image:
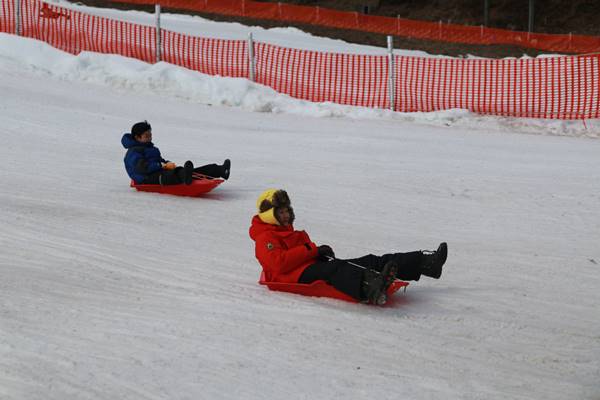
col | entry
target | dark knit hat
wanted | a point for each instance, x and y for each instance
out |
(139, 128)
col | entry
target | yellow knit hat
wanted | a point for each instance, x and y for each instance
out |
(270, 200)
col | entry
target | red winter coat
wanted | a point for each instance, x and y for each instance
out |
(282, 252)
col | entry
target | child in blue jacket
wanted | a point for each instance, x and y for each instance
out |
(145, 165)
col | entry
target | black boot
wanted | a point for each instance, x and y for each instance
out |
(226, 168)
(188, 170)
(432, 261)
(375, 283)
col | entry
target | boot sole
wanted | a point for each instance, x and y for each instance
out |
(188, 170)
(443, 251)
(388, 276)
(226, 169)
(443, 255)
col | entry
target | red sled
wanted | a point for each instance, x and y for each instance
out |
(198, 187)
(322, 289)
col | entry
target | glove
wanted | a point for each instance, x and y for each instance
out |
(325, 252)
(169, 165)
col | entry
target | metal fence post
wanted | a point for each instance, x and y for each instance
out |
(18, 17)
(570, 40)
(158, 35)
(251, 62)
(391, 73)
(486, 13)
(531, 16)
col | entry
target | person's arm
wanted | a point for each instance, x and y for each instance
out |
(324, 252)
(142, 166)
(135, 162)
(162, 160)
(281, 261)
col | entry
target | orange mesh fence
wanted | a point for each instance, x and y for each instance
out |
(7, 16)
(208, 56)
(74, 32)
(350, 79)
(552, 87)
(579, 44)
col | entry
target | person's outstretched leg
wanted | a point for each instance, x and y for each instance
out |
(359, 283)
(164, 177)
(153, 178)
(409, 264)
(175, 176)
(343, 276)
(367, 278)
(214, 170)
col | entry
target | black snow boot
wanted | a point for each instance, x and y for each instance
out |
(432, 261)
(375, 283)
(226, 168)
(188, 170)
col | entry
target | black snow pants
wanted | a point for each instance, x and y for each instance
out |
(176, 176)
(348, 278)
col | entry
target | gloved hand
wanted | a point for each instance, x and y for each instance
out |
(169, 165)
(325, 252)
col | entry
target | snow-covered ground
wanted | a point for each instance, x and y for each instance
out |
(107, 293)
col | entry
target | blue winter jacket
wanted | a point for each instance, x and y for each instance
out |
(141, 159)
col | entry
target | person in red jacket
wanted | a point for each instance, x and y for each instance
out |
(290, 256)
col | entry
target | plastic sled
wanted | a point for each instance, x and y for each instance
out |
(322, 289)
(199, 186)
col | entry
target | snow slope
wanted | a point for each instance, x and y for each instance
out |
(107, 293)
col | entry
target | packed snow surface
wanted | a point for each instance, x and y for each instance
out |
(108, 293)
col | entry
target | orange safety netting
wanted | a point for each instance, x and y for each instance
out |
(566, 87)
(577, 44)
(7, 19)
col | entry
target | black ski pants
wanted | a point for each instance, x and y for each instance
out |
(176, 176)
(348, 278)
